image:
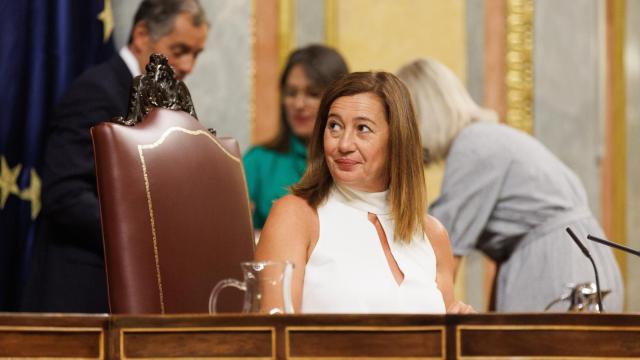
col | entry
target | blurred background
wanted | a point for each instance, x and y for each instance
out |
(566, 71)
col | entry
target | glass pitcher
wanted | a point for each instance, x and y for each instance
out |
(266, 286)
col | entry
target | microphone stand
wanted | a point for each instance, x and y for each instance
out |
(586, 253)
(613, 245)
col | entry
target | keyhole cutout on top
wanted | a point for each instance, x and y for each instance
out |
(398, 275)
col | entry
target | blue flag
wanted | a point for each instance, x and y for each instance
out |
(44, 45)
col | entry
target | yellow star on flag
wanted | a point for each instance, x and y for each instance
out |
(8, 180)
(32, 194)
(106, 16)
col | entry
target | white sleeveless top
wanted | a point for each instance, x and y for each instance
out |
(348, 272)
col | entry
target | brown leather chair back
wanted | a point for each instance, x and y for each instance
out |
(175, 214)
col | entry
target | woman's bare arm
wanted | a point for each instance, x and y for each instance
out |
(445, 265)
(290, 229)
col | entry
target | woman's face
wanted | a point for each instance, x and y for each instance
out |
(301, 102)
(356, 142)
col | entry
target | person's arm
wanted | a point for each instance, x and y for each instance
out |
(471, 187)
(445, 265)
(290, 230)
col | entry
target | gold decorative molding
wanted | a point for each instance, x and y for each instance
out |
(330, 23)
(614, 166)
(286, 29)
(519, 64)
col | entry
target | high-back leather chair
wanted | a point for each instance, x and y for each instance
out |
(175, 213)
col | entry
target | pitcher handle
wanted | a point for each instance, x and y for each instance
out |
(213, 298)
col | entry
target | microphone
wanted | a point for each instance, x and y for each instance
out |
(613, 245)
(586, 253)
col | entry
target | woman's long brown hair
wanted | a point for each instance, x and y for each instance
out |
(407, 191)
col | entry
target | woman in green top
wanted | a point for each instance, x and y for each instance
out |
(273, 167)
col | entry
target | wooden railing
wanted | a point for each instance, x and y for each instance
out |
(483, 336)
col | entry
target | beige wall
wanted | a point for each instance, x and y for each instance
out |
(383, 34)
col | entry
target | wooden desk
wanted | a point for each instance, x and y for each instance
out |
(486, 336)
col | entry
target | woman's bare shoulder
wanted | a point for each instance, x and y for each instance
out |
(434, 225)
(292, 214)
(291, 205)
(436, 232)
(290, 229)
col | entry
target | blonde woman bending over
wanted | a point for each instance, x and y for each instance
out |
(505, 194)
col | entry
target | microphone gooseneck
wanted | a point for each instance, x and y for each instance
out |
(613, 245)
(586, 253)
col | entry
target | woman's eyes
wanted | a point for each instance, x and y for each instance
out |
(363, 128)
(333, 125)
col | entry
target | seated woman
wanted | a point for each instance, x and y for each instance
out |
(355, 226)
(273, 167)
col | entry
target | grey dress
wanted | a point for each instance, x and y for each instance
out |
(506, 195)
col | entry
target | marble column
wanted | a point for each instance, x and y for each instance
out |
(310, 22)
(475, 266)
(569, 86)
(632, 76)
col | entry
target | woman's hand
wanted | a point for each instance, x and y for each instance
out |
(458, 307)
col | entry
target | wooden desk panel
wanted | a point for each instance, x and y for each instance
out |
(206, 342)
(305, 337)
(291, 336)
(62, 337)
(547, 336)
(399, 342)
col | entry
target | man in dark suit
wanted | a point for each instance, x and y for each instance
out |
(68, 274)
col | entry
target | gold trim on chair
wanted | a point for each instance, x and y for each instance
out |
(190, 132)
(153, 145)
(153, 227)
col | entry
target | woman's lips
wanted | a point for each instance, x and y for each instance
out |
(302, 119)
(345, 164)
